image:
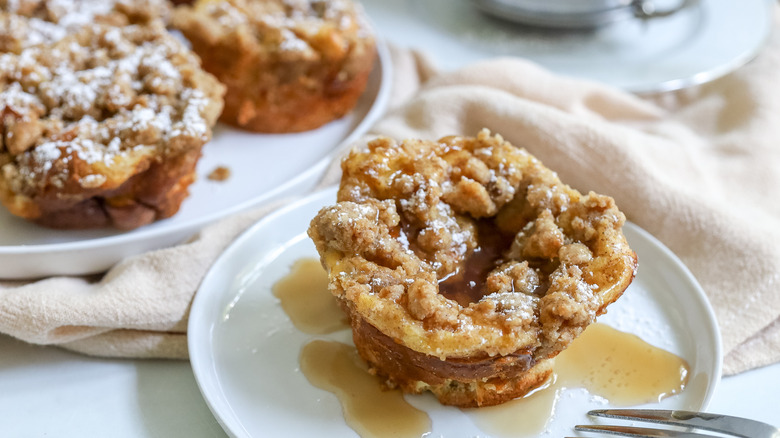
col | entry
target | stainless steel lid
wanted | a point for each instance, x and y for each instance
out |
(575, 14)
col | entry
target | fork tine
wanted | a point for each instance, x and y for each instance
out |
(640, 432)
(741, 427)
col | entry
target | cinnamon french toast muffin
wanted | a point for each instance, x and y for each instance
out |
(289, 65)
(465, 265)
(103, 127)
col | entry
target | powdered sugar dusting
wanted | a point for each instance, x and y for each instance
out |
(118, 97)
(12, 5)
(291, 21)
(192, 122)
(47, 153)
(226, 14)
(29, 32)
(92, 181)
(14, 98)
(291, 42)
(34, 22)
(514, 306)
(73, 13)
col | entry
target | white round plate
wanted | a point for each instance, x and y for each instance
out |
(262, 167)
(695, 45)
(244, 349)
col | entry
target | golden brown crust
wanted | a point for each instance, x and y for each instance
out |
(103, 127)
(288, 66)
(465, 382)
(469, 249)
(152, 194)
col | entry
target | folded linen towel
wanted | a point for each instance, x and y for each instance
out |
(696, 168)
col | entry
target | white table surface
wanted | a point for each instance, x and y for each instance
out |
(48, 392)
(45, 391)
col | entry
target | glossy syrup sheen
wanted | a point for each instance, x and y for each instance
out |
(617, 366)
(621, 367)
(467, 284)
(368, 409)
(611, 364)
(337, 367)
(305, 298)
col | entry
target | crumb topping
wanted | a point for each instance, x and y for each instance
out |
(468, 246)
(220, 173)
(27, 23)
(305, 27)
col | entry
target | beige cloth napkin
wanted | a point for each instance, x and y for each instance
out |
(698, 169)
(138, 309)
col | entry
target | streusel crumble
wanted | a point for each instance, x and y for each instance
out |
(25, 23)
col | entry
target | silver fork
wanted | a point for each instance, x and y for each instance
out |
(690, 421)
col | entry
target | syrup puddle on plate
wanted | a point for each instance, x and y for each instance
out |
(368, 409)
(304, 297)
(616, 366)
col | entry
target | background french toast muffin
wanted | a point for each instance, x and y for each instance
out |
(289, 65)
(465, 265)
(25, 23)
(103, 127)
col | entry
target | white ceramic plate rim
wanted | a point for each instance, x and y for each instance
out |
(377, 109)
(711, 53)
(738, 58)
(208, 303)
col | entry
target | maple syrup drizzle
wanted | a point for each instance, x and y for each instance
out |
(614, 365)
(305, 298)
(467, 284)
(611, 364)
(368, 409)
(337, 367)
(525, 416)
(621, 367)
